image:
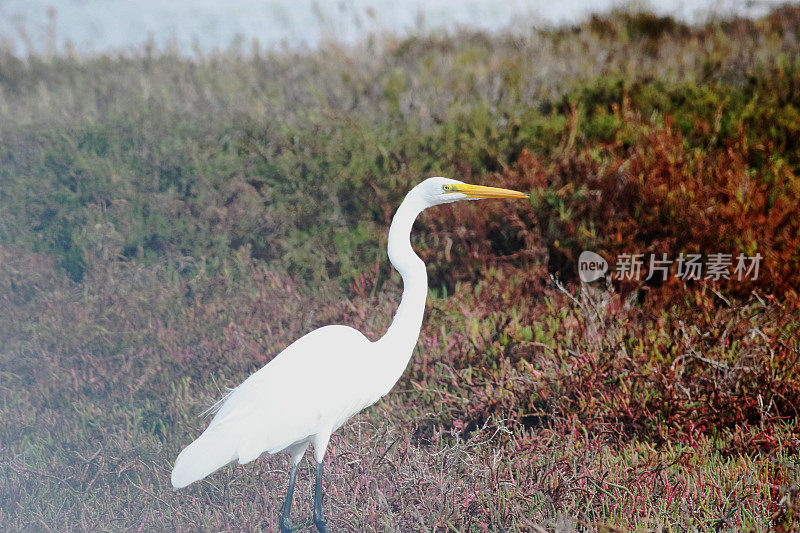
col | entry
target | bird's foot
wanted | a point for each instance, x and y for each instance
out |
(322, 524)
(286, 524)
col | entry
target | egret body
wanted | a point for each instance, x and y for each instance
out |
(321, 380)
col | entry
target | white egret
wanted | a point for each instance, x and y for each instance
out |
(317, 383)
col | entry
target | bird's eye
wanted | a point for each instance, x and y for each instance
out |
(447, 188)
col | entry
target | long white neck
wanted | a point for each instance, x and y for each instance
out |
(397, 345)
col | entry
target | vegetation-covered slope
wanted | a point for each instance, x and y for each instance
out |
(168, 225)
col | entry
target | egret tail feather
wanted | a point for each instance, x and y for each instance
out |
(217, 405)
(210, 452)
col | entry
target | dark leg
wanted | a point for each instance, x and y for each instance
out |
(286, 520)
(319, 518)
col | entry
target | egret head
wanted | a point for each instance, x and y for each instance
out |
(440, 190)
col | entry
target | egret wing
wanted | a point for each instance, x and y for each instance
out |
(312, 386)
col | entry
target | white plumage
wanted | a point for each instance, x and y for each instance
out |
(277, 408)
(318, 382)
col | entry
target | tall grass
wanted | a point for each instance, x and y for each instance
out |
(167, 226)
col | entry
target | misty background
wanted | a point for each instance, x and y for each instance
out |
(204, 26)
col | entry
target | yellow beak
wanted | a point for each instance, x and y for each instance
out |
(479, 191)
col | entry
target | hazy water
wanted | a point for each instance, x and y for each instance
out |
(97, 26)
